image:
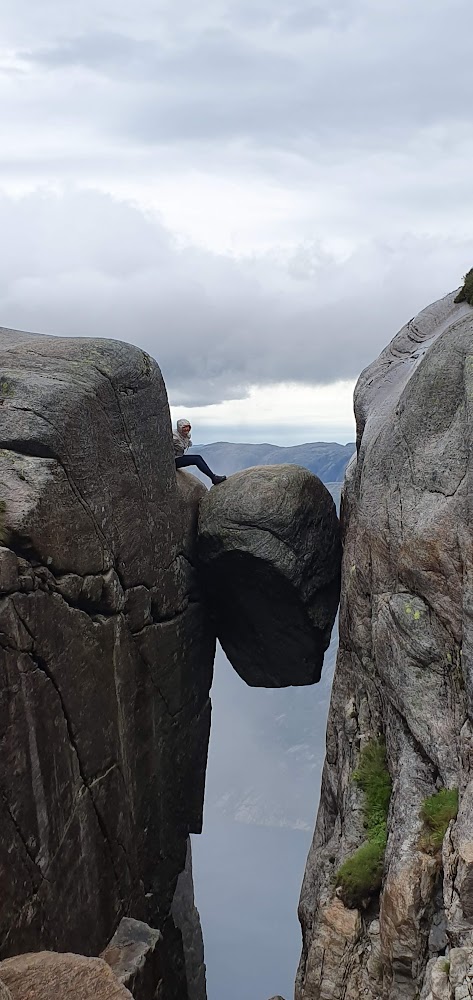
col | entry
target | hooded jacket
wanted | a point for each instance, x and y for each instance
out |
(181, 441)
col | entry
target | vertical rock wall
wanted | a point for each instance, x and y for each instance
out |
(105, 651)
(404, 675)
(186, 918)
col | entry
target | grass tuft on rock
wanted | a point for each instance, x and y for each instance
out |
(360, 875)
(436, 812)
(373, 777)
(466, 292)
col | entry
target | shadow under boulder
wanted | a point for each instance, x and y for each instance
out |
(270, 552)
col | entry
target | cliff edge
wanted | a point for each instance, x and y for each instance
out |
(105, 650)
(387, 900)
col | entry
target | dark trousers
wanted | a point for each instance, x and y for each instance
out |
(184, 461)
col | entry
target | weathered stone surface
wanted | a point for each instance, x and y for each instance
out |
(48, 976)
(8, 571)
(403, 671)
(4, 993)
(186, 918)
(449, 978)
(105, 649)
(138, 608)
(270, 550)
(134, 956)
(339, 933)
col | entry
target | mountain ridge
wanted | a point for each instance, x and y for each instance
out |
(326, 459)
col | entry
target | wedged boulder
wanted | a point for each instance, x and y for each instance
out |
(46, 975)
(269, 551)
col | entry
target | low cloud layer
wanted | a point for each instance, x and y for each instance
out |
(85, 264)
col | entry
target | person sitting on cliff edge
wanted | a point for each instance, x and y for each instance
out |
(182, 442)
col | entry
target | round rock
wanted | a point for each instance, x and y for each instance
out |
(269, 553)
(46, 975)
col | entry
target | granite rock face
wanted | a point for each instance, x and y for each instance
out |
(187, 920)
(105, 649)
(404, 673)
(48, 976)
(270, 552)
(134, 955)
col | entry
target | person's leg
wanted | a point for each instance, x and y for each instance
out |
(184, 461)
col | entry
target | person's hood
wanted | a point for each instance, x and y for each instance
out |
(185, 439)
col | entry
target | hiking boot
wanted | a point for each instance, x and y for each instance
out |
(218, 479)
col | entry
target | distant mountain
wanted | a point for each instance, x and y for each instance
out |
(327, 459)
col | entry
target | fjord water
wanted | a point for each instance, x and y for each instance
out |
(265, 760)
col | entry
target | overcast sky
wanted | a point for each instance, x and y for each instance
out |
(258, 192)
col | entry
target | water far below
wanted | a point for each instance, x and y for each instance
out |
(247, 883)
(263, 783)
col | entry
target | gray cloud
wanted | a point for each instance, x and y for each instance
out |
(313, 73)
(88, 265)
(355, 116)
(272, 90)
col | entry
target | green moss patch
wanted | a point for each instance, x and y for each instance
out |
(6, 389)
(466, 292)
(361, 874)
(436, 813)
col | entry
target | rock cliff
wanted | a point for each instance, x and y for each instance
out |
(105, 650)
(106, 656)
(387, 900)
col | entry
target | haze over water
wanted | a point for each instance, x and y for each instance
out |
(265, 758)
